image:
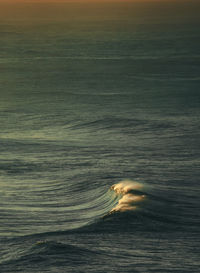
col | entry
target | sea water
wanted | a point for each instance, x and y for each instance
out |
(99, 137)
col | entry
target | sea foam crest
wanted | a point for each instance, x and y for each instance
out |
(129, 195)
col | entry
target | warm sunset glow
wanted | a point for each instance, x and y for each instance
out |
(100, 1)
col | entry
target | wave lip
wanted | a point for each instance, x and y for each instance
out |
(130, 193)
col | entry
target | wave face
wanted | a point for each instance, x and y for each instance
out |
(99, 137)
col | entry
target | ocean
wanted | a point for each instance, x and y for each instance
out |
(99, 137)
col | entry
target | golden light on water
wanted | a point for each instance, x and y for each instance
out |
(129, 200)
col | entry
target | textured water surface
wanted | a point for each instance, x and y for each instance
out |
(99, 138)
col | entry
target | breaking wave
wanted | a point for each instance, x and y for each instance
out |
(130, 193)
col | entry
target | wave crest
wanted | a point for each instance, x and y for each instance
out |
(130, 192)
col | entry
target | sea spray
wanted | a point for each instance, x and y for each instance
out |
(130, 193)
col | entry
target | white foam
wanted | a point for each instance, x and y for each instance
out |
(126, 186)
(129, 200)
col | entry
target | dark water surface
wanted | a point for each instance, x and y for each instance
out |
(91, 95)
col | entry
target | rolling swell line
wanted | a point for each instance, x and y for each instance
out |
(127, 204)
